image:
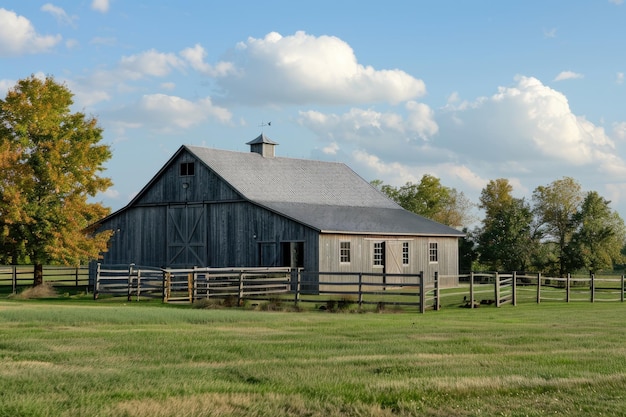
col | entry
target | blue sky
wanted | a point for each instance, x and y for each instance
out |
(468, 91)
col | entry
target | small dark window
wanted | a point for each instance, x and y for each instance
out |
(187, 169)
(405, 253)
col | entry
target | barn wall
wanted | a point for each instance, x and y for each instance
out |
(362, 250)
(233, 232)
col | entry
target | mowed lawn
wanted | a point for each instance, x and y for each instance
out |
(79, 358)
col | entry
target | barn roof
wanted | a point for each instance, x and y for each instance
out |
(327, 196)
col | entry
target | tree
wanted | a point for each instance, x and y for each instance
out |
(507, 238)
(601, 235)
(430, 199)
(556, 206)
(50, 162)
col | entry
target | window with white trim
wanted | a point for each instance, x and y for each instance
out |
(344, 252)
(378, 253)
(433, 252)
(405, 253)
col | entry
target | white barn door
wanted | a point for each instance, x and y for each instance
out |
(186, 236)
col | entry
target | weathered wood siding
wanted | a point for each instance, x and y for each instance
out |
(171, 187)
(362, 256)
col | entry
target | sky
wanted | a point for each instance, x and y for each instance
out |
(467, 91)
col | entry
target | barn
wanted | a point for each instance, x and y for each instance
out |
(217, 208)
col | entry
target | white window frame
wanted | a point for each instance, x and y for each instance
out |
(378, 254)
(433, 252)
(344, 252)
(405, 253)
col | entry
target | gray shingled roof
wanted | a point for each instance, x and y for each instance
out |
(327, 196)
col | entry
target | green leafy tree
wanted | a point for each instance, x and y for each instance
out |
(555, 207)
(430, 199)
(601, 235)
(507, 238)
(51, 161)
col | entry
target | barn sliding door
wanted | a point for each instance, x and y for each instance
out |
(393, 257)
(186, 236)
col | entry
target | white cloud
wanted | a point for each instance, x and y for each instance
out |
(616, 2)
(196, 55)
(151, 63)
(166, 114)
(526, 133)
(59, 14)
(549, 33)
(619, 130)
(18, 36)
(101, 6)
(619, 78)
(331, 149)
(568, 75)
(306, 69)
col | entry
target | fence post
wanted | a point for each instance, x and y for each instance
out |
(622, 293)
(422, 293)
(472, 289)
(240, 293)
(593, 288)
(436, 295)
(296, 285)
(497, 288)
(360, 289)
(567, 287)
(130, 281)
(514, 294)
(538, 287)
(14, 278)
(96, 282)
(166, 286)
(190, 286)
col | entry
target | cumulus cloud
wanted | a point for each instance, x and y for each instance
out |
(166, 113)
(18, 36)
(59, 14)
(619, 78)
(196, 55)
(302, 68)
(525, 132)
(101, 6)
(150, 63)
(568, 75)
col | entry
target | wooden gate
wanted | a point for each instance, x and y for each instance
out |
(186, 236)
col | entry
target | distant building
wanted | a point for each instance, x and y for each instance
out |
(216, 208)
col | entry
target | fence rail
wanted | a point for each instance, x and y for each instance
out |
(18, 277)
(299, 286)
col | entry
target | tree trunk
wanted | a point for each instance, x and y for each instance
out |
(38, 275)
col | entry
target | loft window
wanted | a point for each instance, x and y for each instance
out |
(344, 252)
(378, 253)
(405, 253)
(187, 169)
(433, 252)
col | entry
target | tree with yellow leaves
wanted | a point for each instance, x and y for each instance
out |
(50, 165)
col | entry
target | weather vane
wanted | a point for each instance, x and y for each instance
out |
(263, 124)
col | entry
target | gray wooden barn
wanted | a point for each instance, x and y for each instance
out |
(217, 208)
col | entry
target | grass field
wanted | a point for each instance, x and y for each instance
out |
(85, 358)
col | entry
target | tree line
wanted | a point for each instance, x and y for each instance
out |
(561, 229)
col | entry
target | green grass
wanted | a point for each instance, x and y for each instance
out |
(111, 358)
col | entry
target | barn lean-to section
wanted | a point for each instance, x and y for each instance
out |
(216, 208)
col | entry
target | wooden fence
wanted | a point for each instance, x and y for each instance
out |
(262, 284)
(16, 277)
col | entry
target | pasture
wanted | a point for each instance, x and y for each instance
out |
(113, 358)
